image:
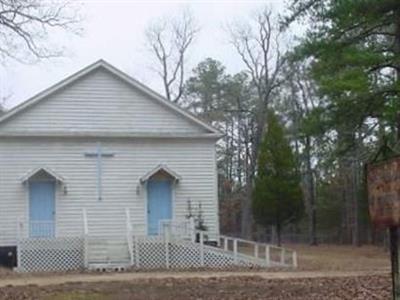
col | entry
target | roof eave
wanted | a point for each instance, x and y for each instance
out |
(160, 135)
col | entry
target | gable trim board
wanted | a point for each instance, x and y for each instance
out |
(160, 167)
(101, 64)
(35, 171)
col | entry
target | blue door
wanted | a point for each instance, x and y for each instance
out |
(41, 208)
(159, 204)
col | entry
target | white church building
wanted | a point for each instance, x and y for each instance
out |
(94, 168)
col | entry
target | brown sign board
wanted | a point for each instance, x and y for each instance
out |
(383, 180)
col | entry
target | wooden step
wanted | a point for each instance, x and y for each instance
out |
(108, 250)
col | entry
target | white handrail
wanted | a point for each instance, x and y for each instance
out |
(19, 236)
(281, 260)
(240, 248)
(177, 228)
(192, 229)
(253, 242)
(201, 240)
(19, 228)
(129, 231)
(85, 222)
(85, 239)
(137, 249)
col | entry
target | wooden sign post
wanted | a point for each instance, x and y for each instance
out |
(383, 181)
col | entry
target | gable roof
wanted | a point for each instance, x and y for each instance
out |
(38, 170)
(101, 64)
(160, 167)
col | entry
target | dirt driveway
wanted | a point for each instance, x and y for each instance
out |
(57, 279)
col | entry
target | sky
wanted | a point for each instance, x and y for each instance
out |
(114, 31)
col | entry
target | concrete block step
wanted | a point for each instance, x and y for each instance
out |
(107, 267)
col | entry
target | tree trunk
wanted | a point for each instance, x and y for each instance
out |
(355, 235)
(239, 142)
(247, 220)
(278, 234)
(272, 231)
(394, 231)
(231, 151)
(249, 168)
(343, 224)
(247, 215)
(311, 195)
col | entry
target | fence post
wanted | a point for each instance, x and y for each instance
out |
(201, 240)
(166, 241)
(225, 243)
(19, 229)
(129, 234)
(192, 230)
(267, 255)
(256, 250)
(294, 259)
(85, 240)
(128, 220)
(235, 248)
(282, 256)
(137, 247)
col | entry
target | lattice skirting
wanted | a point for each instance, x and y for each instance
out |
(155, 253)
(148, 252)
(50, 254)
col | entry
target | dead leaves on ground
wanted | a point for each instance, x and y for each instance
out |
(364, 287)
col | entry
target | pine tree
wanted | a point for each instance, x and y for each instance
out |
(277, 197)
(355, 49)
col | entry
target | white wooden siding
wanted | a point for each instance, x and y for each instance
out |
(192, 159)
(100, 102)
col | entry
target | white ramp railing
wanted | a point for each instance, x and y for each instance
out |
(183, 229)
(177, 246)
(269, 255)
(231, 251)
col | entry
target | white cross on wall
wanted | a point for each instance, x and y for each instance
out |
(99, 154)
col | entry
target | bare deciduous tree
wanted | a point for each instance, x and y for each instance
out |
(300, 101)
(169, 40)
(257, 43)
(25, 26)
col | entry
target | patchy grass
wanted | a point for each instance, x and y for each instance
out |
(334, 257)
(341, 258)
